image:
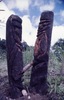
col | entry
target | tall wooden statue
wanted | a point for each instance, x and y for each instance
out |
(14, 54)
(38, 82)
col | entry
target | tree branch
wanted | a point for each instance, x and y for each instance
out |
(27, 67)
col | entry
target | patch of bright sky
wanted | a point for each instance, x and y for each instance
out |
(30, 11)
(58, 9)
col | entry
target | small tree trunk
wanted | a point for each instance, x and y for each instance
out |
(25, 68)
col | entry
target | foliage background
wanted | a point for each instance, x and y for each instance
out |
(55, 68)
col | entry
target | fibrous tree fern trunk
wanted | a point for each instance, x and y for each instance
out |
(38, 80)
(14, 54)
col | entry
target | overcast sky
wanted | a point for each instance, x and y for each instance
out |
(30, 11)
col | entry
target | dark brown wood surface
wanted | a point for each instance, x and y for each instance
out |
(41, 53)
(14, 54)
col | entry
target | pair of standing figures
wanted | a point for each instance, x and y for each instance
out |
(38, 81)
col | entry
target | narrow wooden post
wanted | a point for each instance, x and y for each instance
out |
(38, 80)
(25, 68)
